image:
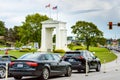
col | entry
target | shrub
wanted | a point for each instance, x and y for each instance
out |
(59, 51)
(25, 50)
(33, 50)
(28, 50)
(71, 45)
(78, 48)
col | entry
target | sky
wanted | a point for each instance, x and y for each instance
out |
(99, 12)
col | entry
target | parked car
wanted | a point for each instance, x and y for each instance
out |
(42, 65)
(3, 60)
(78, 60)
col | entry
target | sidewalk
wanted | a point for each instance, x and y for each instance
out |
(114, 65)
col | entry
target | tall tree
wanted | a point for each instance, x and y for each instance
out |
(87, 31)
(2, 28)
(12, 34)
(15, 33)
(30, 31)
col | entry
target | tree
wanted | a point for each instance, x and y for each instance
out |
(87, 31)
(12, 34)
(2, 32)
(30, 31)
(2, 28)
(102, 41)
(18, 44)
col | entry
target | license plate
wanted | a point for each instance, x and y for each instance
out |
(71, 60)
(20, 65)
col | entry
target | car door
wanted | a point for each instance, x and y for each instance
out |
(92, 60)
(52, 63)
(61, 67)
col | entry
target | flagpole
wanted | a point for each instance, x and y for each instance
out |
(57, 13)
(49, 7)
(50, 11)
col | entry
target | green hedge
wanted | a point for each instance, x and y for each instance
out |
(78, 48)
(28, 50)
(59, 51)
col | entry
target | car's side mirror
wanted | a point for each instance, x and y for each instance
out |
(95, 57)
(93, 52)
(60, 60)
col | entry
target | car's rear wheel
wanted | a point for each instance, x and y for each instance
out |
(98, 67)
(17, 77)
(45, 74)
(2, 72)
(68, 72)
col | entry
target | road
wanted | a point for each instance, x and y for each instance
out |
(109, 71)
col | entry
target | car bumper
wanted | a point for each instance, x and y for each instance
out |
(25, 72)
(77, 66)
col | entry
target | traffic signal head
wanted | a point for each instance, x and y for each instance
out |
(118, 24)
(110, 25)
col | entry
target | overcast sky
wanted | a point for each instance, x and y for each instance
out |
(100, 12)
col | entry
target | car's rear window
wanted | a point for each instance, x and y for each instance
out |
(30, 56)
(73, 53)
(4, 58)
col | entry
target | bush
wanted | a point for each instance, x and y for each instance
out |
(59, 51)
(71, 45)
(25, 50)
(33, 50)
(78, 48)
(28, 50)
(2, 42)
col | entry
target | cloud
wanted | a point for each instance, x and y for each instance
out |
(100, 12)
(86, 11)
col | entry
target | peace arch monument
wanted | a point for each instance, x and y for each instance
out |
(48, 27)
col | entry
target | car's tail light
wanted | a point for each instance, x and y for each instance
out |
(11, 63)
(63, 57)
(80, 57)
(33, 64)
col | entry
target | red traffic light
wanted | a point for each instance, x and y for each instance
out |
(110, 25)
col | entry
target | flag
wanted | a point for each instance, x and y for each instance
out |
(54, 8)
(47, 6)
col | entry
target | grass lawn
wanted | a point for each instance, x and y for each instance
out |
(102, 53)
(14, 53)
(1, 46)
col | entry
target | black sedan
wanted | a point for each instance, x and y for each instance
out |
(82, 60)
(42, 65)
(3, 60)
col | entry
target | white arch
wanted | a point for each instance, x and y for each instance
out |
(61, 35)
